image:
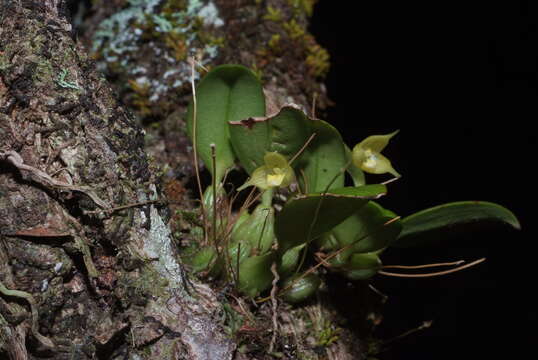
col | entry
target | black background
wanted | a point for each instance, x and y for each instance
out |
(460, 81)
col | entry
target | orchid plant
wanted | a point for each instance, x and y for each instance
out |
(290, 156)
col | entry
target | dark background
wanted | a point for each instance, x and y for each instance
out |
(460, 80)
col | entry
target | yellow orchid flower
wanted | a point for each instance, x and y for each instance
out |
(275, 173)
(367, 155)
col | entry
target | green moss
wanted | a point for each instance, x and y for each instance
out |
(294, 30)
(317, 60)
(328, 333)
(274, 43)
(273, 14)
(177, 44)
(307, 6)
(257, 71)
(140, 99)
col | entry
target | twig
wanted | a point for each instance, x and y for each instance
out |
(308, 141)
(35, 315)
(383, 296)
(391, 180)
(45, 179)
(195, 150)
(424, 325)
(439, 273)
(123, 207)
(453, 263)
(214, 188)
(86, 255)
(274, 303)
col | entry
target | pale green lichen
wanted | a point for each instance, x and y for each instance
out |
(66, 84)
(167, 30)
(159, 246)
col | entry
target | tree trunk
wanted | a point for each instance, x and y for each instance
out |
(88, 264)
(100, 281)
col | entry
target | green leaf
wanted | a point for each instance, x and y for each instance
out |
(298, 223)
(202, 260)
(300, 289)
(366, 230)
(449, 215)
(362, 266)
(257, 230)
(286, 132)
(323, 159)
(255, 274)
(289, 260)
(222, 221)
(238, 250)
(226, 93)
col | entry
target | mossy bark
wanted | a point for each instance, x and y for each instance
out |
(108, 284)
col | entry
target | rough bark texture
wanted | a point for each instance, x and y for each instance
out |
(102, 282)
(79, 280)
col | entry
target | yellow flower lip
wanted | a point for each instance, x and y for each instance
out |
(276, 172)
(367, 155)
(275, 179)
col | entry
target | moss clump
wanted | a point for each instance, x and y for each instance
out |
(307, 6)
(273, 14)
(317, 60)
(291, 37)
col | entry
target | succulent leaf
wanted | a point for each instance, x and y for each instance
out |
(449, 215)
(226, 93)
(285, 132)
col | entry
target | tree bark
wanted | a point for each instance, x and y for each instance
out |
(100, 282)
(88, 265)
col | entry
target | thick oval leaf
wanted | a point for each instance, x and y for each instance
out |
(451, 214)
(308, 216)
(257, 230)
(202, 260)
(365, 230)
(222, 221)
(323, 159)
(226, 93)
(238, 251)
(327, 242)
(286, 132)
(289, 261)
(255, 274)
(301, 289)
(363, 266)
